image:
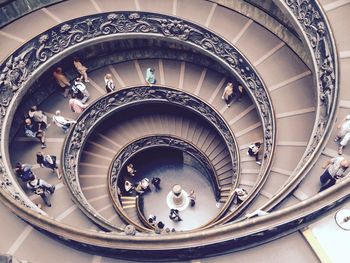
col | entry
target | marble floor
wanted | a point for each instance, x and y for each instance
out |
(188, 177)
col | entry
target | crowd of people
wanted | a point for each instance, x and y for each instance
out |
(36, 123)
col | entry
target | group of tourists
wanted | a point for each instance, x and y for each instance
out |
(38, 186)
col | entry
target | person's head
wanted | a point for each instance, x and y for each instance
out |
(160, 225)
(28, 121)
(108, 76)
(34, 108)
(58, 70)
(167, 230)
(58, 112)
(258, 144)
(76, 59)
(241, 191)
(344, 163)
(18, 166)
(151, 70)
(78, 79)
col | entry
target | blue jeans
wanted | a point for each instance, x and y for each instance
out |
(326, 180)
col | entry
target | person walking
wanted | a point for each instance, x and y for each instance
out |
(61, 121)
(227, 96)
(192, 197)
(240, 195)
(24, 172)
(253, 151)
(31, 129)
(175, 215)
(81, 89)
(76, 105)
(336, 168)
(62, 80)
(39, 117)
(48, 161)
(130, 169)
(110, 87)
(156, 182)
(81, 69)
(343, 134)
(150, 76)
(41, 187)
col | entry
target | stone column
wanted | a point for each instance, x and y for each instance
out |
(178, 197)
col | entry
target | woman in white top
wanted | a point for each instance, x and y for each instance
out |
(228, 94)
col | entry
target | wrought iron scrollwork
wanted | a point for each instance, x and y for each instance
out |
(113, 102)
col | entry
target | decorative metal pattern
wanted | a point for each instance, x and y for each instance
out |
(141, 144)
(156, 141)
(310, 18)
(17, 70)
(32, 56)
(113, 102)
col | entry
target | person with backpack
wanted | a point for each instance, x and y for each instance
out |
(41, 187)
(175, 215)
(48, 161)
(39, 117)
(80, 91)
(24, 172)
(31, 129)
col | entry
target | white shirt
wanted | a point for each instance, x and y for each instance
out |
(80, 86)
(345, 127)
(60, 121)
(335, 169)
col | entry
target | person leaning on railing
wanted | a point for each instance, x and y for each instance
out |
(336, 168)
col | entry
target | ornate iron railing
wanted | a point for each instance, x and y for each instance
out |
(129, 151)
(309, 17)
(27, 61)
(114, 102)
(22, 67)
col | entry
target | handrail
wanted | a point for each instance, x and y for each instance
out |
(110, 103)
(140, 214)
(33, 57)
(317, 33)
(219, 239)
(124, 154)
(86, 30)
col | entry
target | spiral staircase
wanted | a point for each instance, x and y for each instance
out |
(291, 57)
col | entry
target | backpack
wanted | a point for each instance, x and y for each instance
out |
(76, 92)
(26, 175)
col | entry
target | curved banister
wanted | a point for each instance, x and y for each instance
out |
(140, 214)
(89, 29)
(111, 103)
(138, 145)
